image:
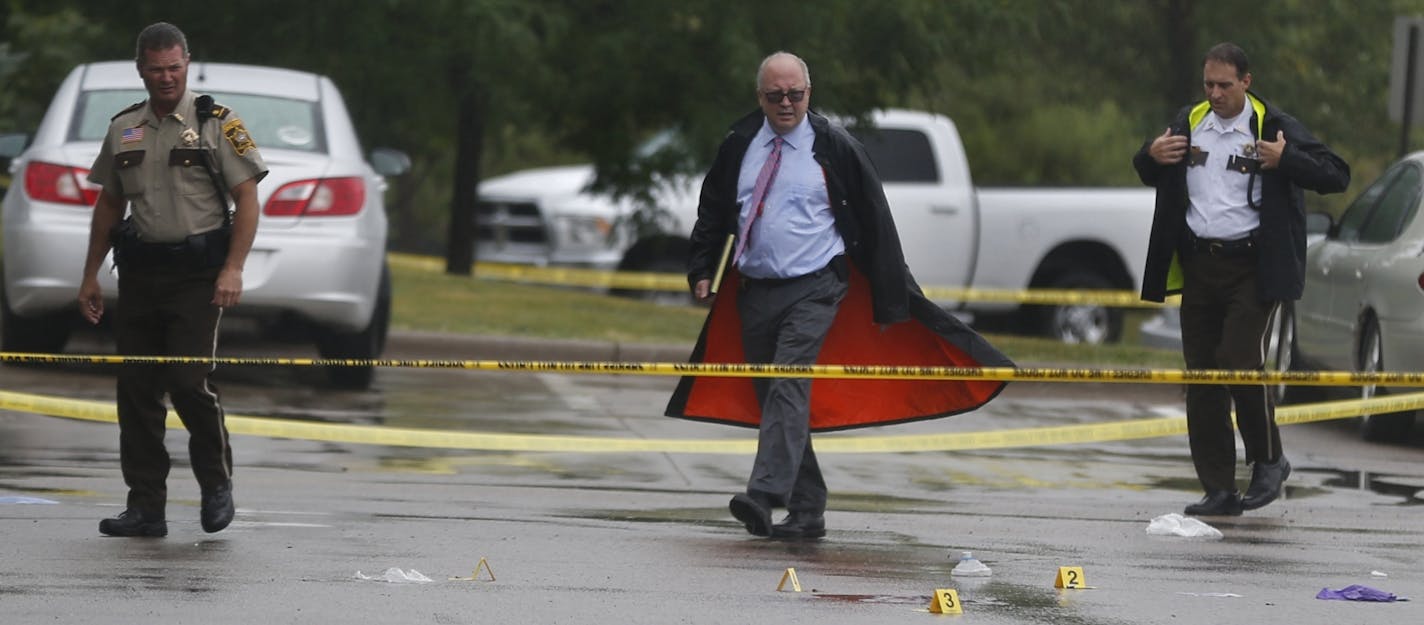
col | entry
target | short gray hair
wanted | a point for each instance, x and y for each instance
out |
(159, 36)
(761, 69)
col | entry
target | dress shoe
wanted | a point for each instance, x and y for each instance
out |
(1266, 481)
(133, 523)
(753, 512)
(798, 525)
(217, 508)
(1217, 503)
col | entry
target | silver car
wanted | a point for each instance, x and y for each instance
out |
(318, 262)
(1363, 308)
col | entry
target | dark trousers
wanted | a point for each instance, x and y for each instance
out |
(785, 323)
(168, 312)
(1224, 326)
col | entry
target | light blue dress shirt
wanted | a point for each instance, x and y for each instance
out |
(796, 233)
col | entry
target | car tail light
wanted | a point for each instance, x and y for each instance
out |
(321, 197)
(61, 184)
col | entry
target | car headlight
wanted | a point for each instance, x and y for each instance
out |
(582, 231)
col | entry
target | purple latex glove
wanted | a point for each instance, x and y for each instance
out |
(1356, 592)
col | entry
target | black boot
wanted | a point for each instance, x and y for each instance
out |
(134, 523)
(1217, 503)
(1266, 481)
(217, 508)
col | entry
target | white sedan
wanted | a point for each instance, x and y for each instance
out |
(1363, 308)
(318, 263)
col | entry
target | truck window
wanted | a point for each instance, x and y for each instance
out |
(899, 155)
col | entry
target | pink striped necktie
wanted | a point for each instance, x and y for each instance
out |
(763, 183)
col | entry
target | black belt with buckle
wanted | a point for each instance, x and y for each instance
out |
(1223, 247)
(837, 264)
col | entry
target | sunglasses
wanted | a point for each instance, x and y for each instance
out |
(774, 97)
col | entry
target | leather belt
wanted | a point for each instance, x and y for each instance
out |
(1222, 247)
(835, 265)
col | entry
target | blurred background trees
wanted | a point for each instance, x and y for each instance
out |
(1045, 92)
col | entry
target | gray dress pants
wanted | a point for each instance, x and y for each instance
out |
(785, 322)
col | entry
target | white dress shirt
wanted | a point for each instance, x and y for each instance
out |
(1217, 195)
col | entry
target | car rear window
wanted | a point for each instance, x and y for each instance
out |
(273, 122)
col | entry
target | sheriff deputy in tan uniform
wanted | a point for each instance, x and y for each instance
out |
(174, 158)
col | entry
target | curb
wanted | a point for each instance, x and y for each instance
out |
(433, 345)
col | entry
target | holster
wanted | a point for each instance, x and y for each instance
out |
(196, 251)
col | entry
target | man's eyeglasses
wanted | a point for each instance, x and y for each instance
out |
(774, 97)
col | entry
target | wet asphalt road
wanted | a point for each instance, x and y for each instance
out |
(645, 538)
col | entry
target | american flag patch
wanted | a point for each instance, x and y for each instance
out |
(132, 135)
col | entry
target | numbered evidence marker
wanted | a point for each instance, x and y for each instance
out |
(790, 574)
(946, 601)
(1070, 577)
(476, 575)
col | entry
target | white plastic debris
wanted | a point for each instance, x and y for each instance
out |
(1177, 525)
(970, 566)
(1378, 574)
(396, 575)
(20, 499)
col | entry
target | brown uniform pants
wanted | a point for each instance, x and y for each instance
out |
(1224, 326)
(165, 311)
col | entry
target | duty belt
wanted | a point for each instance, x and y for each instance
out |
(1222, 247)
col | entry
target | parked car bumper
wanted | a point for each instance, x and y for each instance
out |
(279, 276)
(332, 281)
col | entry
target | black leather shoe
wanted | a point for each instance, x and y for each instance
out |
(133, 523)
(1217, 503)
(753, 512)
(800, 525)
(1266, 481)
(217, 508)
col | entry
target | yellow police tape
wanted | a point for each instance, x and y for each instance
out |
(744, 370)
(651, 281)
(831, 443)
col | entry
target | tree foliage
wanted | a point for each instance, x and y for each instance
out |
(1045, 92)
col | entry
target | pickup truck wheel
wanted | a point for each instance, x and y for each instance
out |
(31, 334)
(1388, 427)
(1091, 323)
(366, 344)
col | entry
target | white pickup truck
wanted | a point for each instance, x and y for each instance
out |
(953, 234)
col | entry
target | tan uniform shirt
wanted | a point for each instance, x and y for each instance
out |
(156, 166)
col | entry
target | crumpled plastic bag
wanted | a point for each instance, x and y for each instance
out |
(1356, 592)
(396, 575)
(1177, 525)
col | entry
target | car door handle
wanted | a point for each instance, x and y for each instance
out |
(944, 210)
